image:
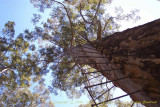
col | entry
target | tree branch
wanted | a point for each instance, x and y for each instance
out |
(69, 70)
(70, 21)
(106, 24)
(97, 9)
(83, 16)
(5, 69)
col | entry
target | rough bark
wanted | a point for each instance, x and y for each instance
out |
(133, 53)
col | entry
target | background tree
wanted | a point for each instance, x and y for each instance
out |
(24, 97)
(19, 69)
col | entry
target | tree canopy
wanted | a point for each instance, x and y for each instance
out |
(72, 23)
(19, 70)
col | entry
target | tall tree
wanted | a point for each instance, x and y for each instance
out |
(72, 29)
(132, 57)
(73, 23)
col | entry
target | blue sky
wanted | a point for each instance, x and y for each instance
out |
(21, 12)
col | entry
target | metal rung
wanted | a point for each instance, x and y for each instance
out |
(91, 72)
(92, 56)
(92, 78)
(108, 70)
(104, 92)
(89, 48)
(92, 63)
(118, 97)
(105, 82)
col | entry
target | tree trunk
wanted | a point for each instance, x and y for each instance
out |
(133, 53)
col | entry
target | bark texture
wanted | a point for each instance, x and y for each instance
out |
(133, 53)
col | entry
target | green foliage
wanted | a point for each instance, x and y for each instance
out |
(25, 98)
(120, 103)
(18, 69)
(9, 29)
(12, 53)
(66, 19)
